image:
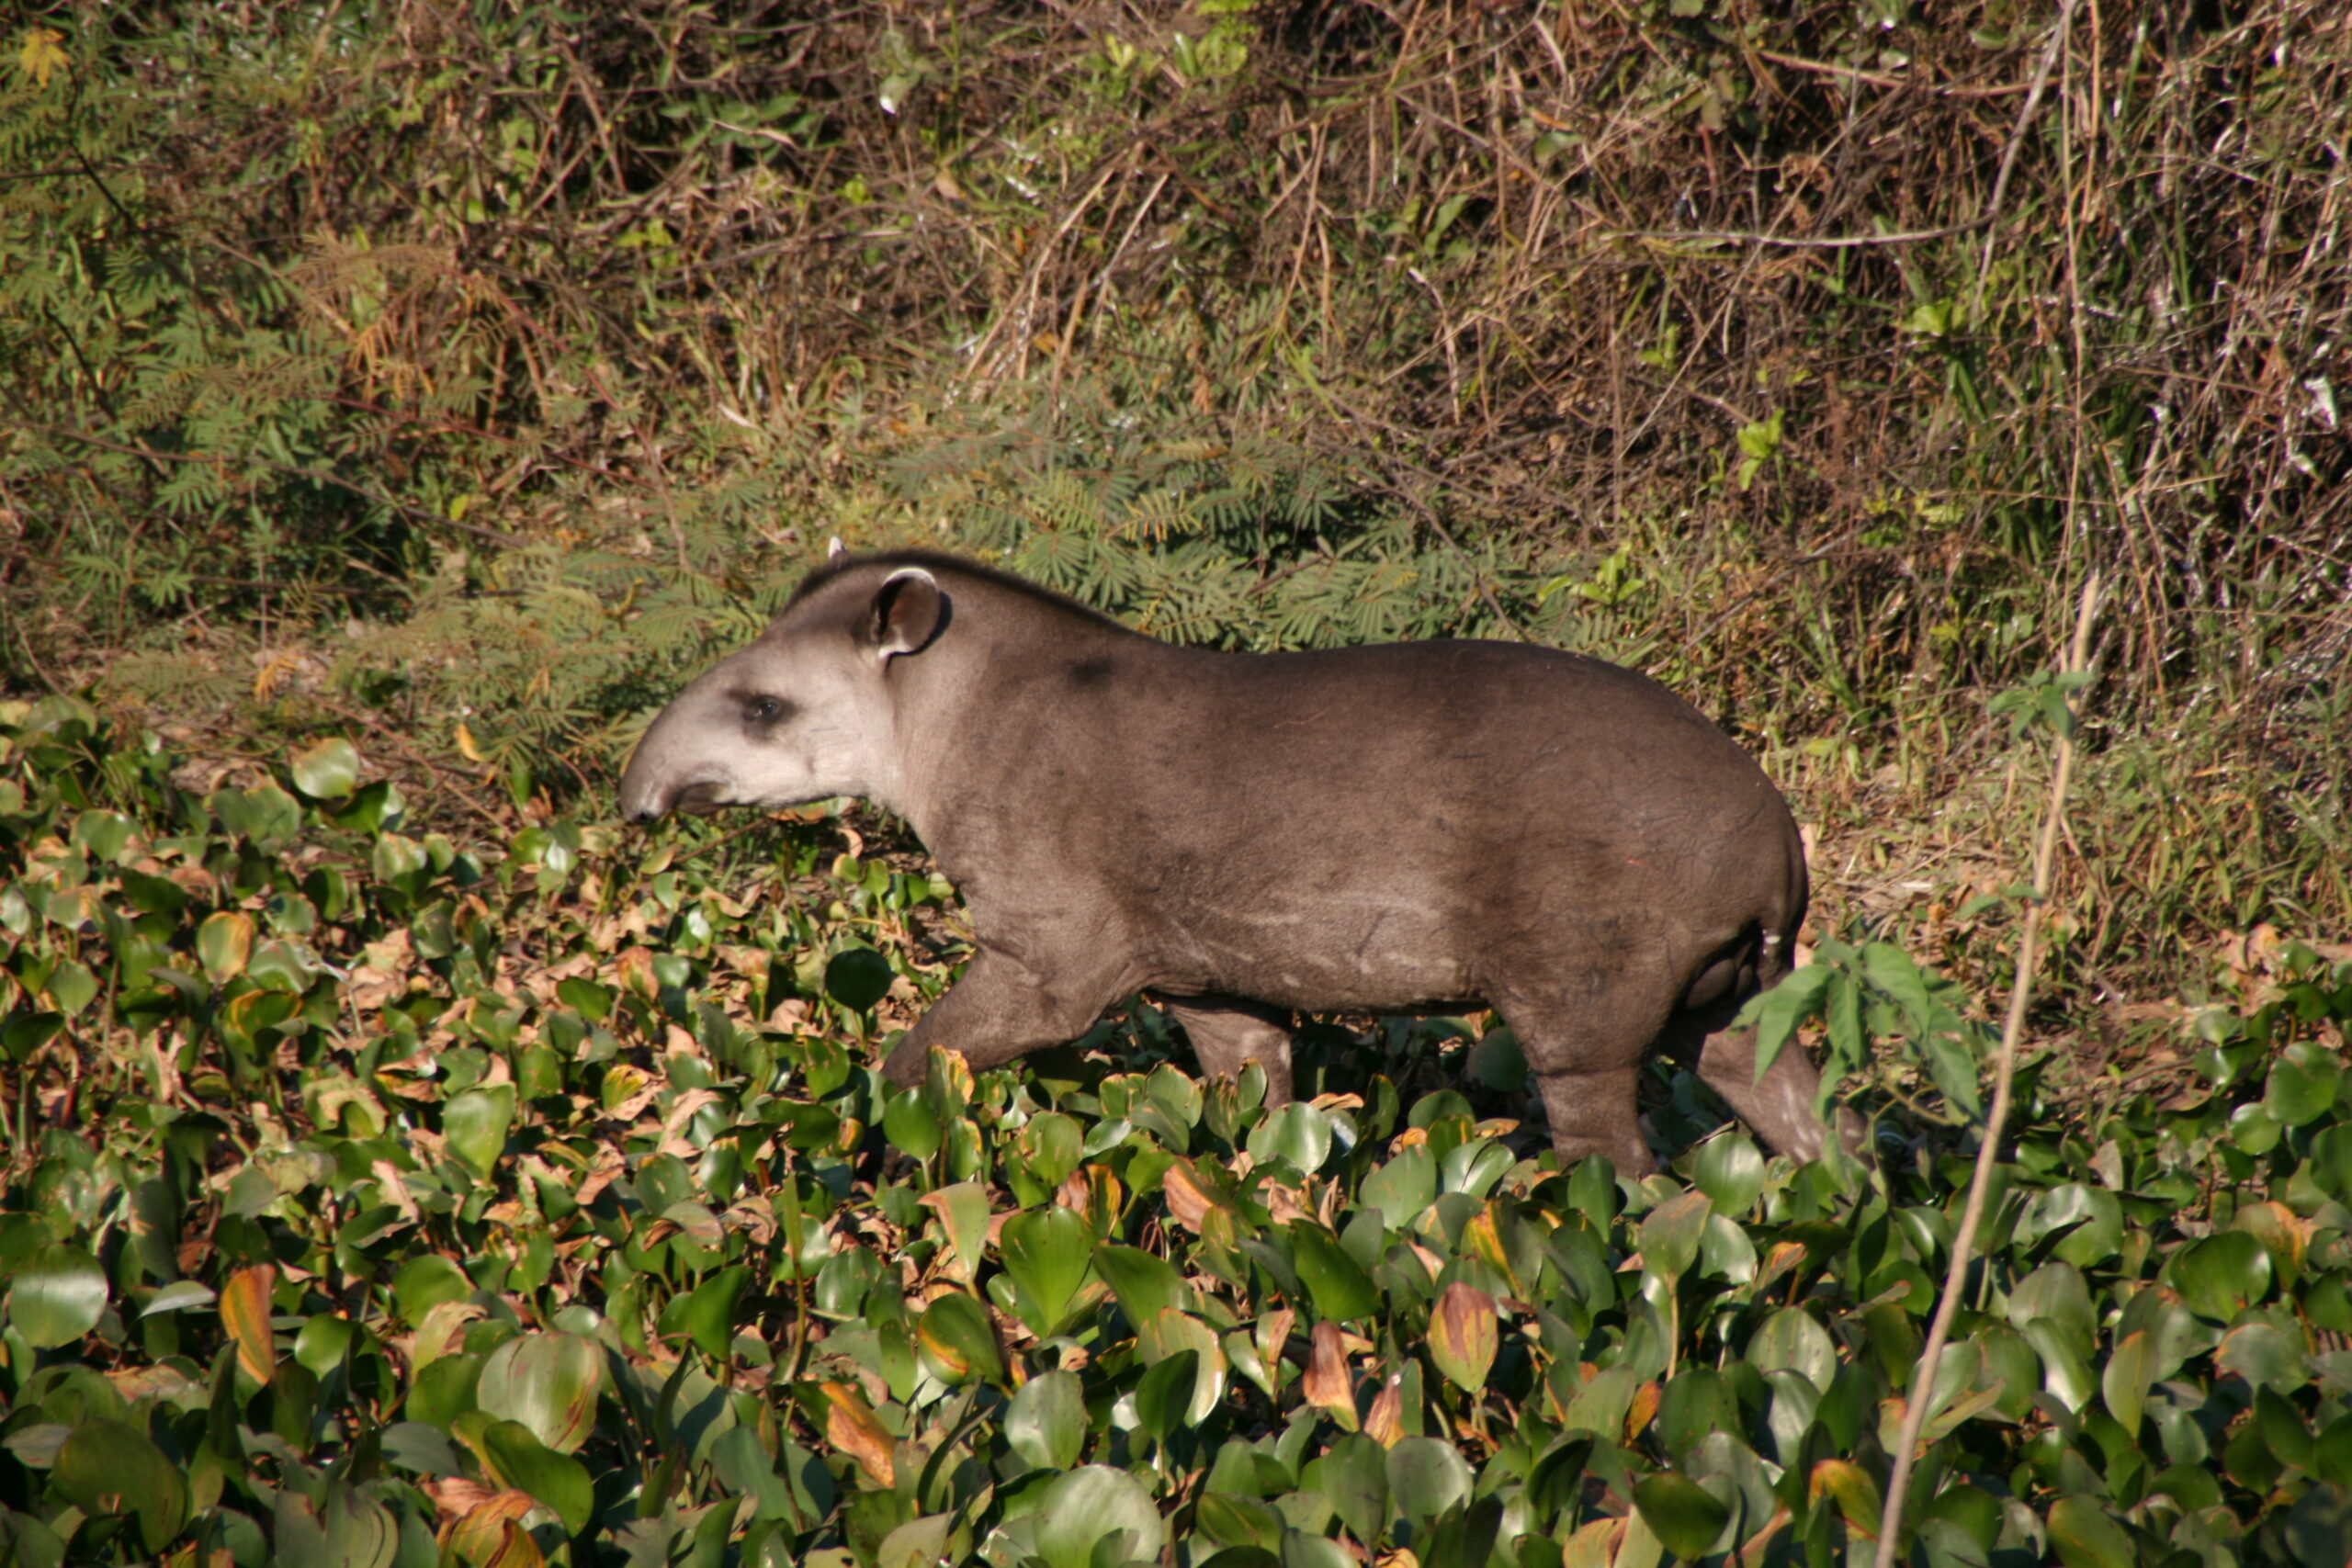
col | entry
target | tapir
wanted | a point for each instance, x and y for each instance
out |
(1396, 827)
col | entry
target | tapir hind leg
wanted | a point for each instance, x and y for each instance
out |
(1227, 1034)
(1001, 1009)
(1779, 1107)
(1585, 1051)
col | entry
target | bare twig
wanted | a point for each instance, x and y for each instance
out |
(1988, 1153)
(1798, 241)
(2058, 35)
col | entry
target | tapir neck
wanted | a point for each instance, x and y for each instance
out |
(984, 727)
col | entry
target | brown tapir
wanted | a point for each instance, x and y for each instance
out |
(1394, 827)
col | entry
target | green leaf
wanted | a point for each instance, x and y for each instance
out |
(2123, 1383)
(1776, 1015)
(2303, 1084)
(1403, 1189)
(1095, 1515)
(1045, 1423)
(475, 1123)
(348, 1530)
(74, 987)
(2219, 1275)
(706, 1314)
(1049, 1253)
(1297, 1133)
(957, 1343)
(1051, 1145)
(858, 977)
(550, 1383)
(1792, 1339)
(57, 1296)
(520, 1461)
(1730, 1171)
(426, 1282)
(106, 1467)
(1145, 1284)
(918, 1543)
(1683, 1514)
(909, 1126)
(1670, 1234)
(1427, 1476)
(2086, 1537)
(328, 771)
(1336, 1283)
(1354, 1477)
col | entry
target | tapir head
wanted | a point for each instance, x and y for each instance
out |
(805, 713)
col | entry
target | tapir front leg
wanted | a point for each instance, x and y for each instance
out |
(1228, 1033)
(999, 1011)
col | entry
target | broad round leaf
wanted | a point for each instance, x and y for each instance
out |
(2086, 1537)
(1297, 1133)
(1051, 1145)
(2219, 1275)
(1731, 1173)
(1683, 1514)
(106, 1467)
(706, 1314)
(909, 1126)
(1337, 1283)
(475, 1123)
(1462, 1335)
(522, 1462)
(1793, 1341)
(57, 1296)
(1427, 1476)
(1045, 1423)
(2303, 1084)
(857, 977)
(1671, 1234)
(956, 1341)
(328, 771)
(1047, 1252)
(224, 943)
(1091, 1503)
(548, 1383)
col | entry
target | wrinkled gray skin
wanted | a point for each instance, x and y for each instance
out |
(1395, 827)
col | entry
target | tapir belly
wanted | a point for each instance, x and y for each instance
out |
(1373, 951)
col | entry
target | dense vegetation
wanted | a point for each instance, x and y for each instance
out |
(397, 401)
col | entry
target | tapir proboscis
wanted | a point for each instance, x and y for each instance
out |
(1385, 829)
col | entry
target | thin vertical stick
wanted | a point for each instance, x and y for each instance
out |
(2045, 855)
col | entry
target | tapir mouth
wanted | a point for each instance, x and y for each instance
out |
(702, 798)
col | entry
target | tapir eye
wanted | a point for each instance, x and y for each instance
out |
(765, 710)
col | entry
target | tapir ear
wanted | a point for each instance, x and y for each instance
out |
(908, 611)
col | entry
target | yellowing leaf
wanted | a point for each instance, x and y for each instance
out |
(1462, 1335)
(850, 1427)
(40, 58)
(1851, 1487)
(244, 1313)
(1327, 1384)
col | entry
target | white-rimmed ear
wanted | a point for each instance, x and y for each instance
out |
(908, 611)
(833, 546)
